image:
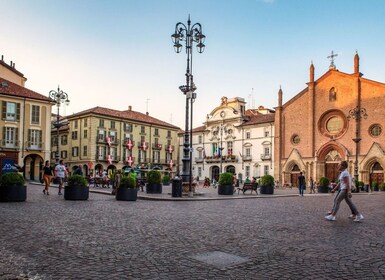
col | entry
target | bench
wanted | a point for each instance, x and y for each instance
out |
(248, 186)
(98, 181)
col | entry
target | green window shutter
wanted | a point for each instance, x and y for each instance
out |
(3, 110)
(3, 134)
(40, 136)
(18, 111)
(17, 134)
(29, 136)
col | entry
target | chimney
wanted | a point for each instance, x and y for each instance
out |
(129, 108)
(2, 57)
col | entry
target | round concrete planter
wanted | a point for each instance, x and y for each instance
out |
(76, 192)
(126, 194)
(225, 189)
(267, 190)
(153, 188)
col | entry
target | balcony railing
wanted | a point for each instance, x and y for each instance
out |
(104, 158)
(247, 158)
(33, 145)
(265, 156)
(114, 141)
(6, 144)
(213, 159)
(199, 160)
(157, 147)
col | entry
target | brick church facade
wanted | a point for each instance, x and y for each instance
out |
(339, 116)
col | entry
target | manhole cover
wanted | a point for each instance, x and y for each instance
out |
(220, 259)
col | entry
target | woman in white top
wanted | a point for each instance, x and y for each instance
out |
(344, 184)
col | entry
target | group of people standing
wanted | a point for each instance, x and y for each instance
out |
(60, 172)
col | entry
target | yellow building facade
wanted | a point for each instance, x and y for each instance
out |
(25, 124)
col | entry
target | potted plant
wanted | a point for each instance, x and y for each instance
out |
(382, 187)
(375, 186)
(323, 185)
(226, 183)
(76, 188)
(154, 182)
(12, 187)
(127, 189)
(166, 180)
(267, 184)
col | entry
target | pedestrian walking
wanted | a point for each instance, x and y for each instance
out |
(117, 179)
(301, 183)
(60, 173)
(345, 192)
(47, 176)
(312, 185)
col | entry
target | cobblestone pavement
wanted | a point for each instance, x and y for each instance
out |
(47, 237)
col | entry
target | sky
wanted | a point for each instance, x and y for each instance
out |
(119, 53)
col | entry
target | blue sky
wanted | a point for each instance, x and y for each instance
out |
(116, 53)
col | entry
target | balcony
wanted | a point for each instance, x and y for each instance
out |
(215, 159)
(34, 146)
(143, 145)
(265, 156)
(104, 140)
(247, 158)
(199, 160)
(6, 144)
(157, 147)
(114, 159)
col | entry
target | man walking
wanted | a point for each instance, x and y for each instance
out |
(60, 173)
(301, 183)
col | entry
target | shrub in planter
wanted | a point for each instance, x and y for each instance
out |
(76, 188)
(127, 189)
(12, 187)
(323, 185)
(154, 178)
(166, 180)
(382, 187)
(267, 184)
(226, 183)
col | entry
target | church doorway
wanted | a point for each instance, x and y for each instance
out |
(294, 175)
(331, 171)
(376, 174)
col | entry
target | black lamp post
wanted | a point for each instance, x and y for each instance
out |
(188, 34)
(357, 114)
(59, 97)
(222, 127)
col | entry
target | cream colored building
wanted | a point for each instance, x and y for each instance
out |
(101, 138)
(25, 124)
(235, 140)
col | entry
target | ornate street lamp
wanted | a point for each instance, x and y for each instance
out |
(357, 114)
(59, 97)
(189, 34)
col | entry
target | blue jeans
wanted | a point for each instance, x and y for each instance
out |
(301, 187)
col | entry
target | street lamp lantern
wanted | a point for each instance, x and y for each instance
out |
(58, 97)
(357, 114)
(189, 34)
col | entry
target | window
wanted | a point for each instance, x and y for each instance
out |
(200, 154)
(11, 135)
(267, 133)
(100, 151)
(295, 139)
(101, 135)
(156, 132)
(64, 154)
(156, 141)
(247, 171)
(248, 135)
(248, 152)
(127, 136)
(76, 124)
(168, 133)
(85, 122)
(35, 118)
(200, 139)
(375, 130)
(334, 125)
(199, 171)
(267, 151)
(11, 111)
(127, 127)
(63, 140)
(85, 133)
(332, 94)
(34, 139)
(85, 151)
(75, 151)
(101, 123)
(266, 170)
(142, 129)
(113, 136)
(142, 139)
(230, 148)
(112, 124)
(74, 135)
(156, 156)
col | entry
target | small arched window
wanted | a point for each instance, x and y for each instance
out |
(332, 94)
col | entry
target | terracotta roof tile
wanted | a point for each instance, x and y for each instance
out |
(12, 89)
(127, 115)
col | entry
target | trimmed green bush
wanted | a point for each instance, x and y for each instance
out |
(226, 178)
(127, 182)
(267, 180)
(11, 179)
(324, 182)
(77, 180)
(154, 177)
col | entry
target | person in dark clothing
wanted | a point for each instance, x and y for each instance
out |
(301, 183)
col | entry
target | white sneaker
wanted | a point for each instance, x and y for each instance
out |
(352, 216)
(330, 217)
(358, 218)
